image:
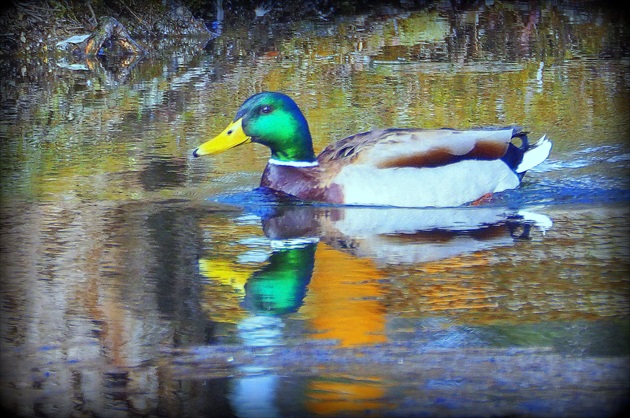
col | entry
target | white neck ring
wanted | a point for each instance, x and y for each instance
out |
(294, 163)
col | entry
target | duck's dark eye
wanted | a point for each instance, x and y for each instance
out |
(266, 109)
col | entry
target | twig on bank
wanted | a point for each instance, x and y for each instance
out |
(94, 19)
(27, 9)
(142, 22)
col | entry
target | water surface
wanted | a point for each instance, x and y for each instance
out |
(138, 280)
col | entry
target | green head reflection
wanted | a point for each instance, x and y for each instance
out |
(279, 288)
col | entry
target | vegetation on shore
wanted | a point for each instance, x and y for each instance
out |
(30, 27)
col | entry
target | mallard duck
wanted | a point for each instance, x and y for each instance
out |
(386, 167)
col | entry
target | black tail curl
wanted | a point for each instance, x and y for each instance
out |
(514, 154)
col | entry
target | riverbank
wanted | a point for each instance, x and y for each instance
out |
(29, 28)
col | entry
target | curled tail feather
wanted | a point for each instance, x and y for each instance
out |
(534, 154)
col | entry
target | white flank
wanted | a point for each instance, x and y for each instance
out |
(294, 163)
(535, 155)
(450, 185)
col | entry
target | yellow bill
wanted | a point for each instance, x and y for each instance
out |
(231, 137)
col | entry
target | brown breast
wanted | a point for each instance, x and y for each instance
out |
(306, 183)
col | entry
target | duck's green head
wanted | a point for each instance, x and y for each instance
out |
(268, 118)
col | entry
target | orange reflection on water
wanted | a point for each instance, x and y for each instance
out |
(332, 394)
(453, 292)
(342, 301)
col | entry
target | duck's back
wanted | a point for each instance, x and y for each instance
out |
(417, 167)
(392, 148)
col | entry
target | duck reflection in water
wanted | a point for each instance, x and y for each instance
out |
(326, 268)
(324, 260)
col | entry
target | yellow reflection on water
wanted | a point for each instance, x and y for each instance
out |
(222, 303)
